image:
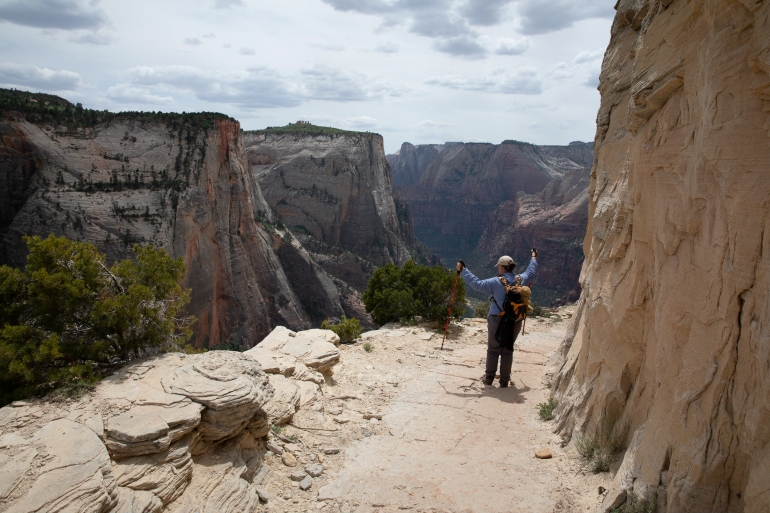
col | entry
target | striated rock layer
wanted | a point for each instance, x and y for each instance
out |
(178, 182)
(334, 193)
(174, 433)
(672, 334)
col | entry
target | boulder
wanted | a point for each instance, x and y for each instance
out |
(232, 386)
(303, 373)
(314, 352)
(327, 335)
(73, 472)
(285, 401)
(135, 432)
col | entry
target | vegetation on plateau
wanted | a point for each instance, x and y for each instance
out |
(67, 316)
(396, 294)
(303, 129)
(47, 108)
(347, 329)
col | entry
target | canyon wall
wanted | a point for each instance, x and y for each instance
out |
(334, 192)
(479, 201)
(672, 336)
(554, 222)
(179, 182)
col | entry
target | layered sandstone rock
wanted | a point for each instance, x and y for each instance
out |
(672, 335)
(173, 433)
(554, 222)
(178, 182)
(334, 193)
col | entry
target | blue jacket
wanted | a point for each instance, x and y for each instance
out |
(495, 288)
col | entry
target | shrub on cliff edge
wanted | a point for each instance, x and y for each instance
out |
(67, 312)
(347, 329)
(396, 294)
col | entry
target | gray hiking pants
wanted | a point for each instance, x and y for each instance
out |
(497, 352)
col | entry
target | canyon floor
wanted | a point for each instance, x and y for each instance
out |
(444, 442)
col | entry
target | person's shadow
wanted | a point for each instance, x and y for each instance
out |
(511, 394)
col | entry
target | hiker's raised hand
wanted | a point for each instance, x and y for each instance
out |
(534, 253)
(460, 266)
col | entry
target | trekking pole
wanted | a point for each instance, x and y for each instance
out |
(450, 310)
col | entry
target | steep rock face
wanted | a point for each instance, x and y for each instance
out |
(672, 334)
(410, 162)
(470, 190)
(553, 221)
(334, 193)
(172, 183)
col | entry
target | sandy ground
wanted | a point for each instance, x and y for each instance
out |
(445, 443)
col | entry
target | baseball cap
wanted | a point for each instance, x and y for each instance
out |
(506, 261)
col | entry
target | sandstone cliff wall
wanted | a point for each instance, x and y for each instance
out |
(673, 334)
(335, 194)
(174, 184)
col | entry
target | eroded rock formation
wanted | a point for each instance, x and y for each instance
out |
(334, 193)
(177, 433)
(479, 201)
(673, 335)
(178, 182)
(554, 222)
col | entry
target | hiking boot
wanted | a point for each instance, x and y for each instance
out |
(487, 382)
(503, 384)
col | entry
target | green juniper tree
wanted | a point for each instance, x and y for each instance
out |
(67, 311)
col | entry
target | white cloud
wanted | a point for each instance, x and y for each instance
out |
(587, 56)
(389, 47)
(523, 81)
(41, 78)
(508, 46)
(125, 93)
(261, 87)
(193, 41)
(247, 51)
(93, 38)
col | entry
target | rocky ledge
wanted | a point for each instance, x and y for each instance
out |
(177, 433)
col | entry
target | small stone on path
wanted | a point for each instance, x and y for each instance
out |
(292, 448)
(426, 336)
(274, 448)
(289, 460)
(420, 354)
(314, 470)
(544, 454)
(341, 420)
(298, 476)
(264, 496)
(306, 484)
(332, 450)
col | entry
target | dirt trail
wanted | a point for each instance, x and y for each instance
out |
(445, 443)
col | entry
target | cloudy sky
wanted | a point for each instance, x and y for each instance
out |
(422, 71)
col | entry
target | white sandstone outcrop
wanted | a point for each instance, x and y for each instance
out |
(177, 433)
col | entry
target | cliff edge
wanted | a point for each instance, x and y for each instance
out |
(672, 335)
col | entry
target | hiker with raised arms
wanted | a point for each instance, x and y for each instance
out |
(497, 288)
